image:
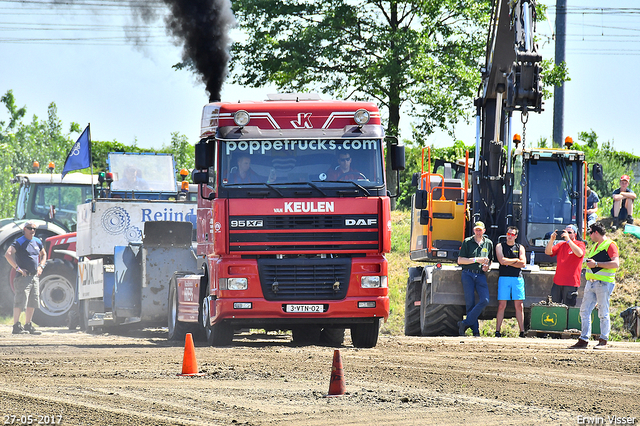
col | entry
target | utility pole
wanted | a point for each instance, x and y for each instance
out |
(558, 92)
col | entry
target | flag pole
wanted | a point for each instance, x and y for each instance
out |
(93, 191)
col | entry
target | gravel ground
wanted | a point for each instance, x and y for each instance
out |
(74, 378)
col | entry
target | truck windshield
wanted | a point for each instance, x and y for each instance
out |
(301, 161)
(550, 202)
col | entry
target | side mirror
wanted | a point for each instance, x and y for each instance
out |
(396, 153)
(204, 154)
(199, 177)
(415, 179)
(596, 172)
(420, 200)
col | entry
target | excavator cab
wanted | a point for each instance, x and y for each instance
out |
(438, 214)
(552, 185)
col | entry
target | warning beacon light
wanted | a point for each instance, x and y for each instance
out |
(517, 139)
(568, 142)
(36, 166)
(51, 166)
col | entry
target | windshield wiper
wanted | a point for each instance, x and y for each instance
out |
(245, 186)
(365, 190)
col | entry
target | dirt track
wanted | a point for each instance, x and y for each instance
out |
(265, 380)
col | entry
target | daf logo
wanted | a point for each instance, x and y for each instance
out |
(360, 222)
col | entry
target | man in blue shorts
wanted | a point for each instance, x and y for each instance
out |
(512, 259)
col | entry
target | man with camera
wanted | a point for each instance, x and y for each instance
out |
(570, 253)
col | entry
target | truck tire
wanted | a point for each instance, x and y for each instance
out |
(413, 295)
(57, 293)
(438, 320)
(365, 335)
(177, 329)
(220, 334)
(332, 336)
(306, 335)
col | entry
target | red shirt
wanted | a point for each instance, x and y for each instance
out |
(569, 265)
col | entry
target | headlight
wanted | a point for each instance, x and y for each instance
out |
(241, 118)
(373, 282)
(361, 117)
(233, 284)
(237, 283)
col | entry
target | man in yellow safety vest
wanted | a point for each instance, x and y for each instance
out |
(602, 260)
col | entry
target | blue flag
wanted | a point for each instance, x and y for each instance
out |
(79, 156)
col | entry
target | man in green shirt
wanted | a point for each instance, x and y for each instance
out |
(475, 258)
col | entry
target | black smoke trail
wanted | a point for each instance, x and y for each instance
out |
(203, 27)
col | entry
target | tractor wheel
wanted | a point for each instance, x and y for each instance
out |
(57, 293)
(411, 308)
(438, 320)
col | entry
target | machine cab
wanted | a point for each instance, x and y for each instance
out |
(552, 196)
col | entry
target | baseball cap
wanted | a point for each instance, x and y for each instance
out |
(573, 228)
(478, 224)
(625, 177)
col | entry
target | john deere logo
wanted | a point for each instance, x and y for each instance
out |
(549, 319)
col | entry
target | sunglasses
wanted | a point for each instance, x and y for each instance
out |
(513, 234)
(30, 228)
(345, 159)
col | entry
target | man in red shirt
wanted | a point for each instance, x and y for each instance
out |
(570, 253)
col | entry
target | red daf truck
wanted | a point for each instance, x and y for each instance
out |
(293, 220)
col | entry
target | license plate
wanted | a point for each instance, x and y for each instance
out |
(304, 308)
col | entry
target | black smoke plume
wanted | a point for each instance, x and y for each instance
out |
(203, 27)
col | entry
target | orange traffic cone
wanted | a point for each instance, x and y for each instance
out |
(336, 385)
(189, 363)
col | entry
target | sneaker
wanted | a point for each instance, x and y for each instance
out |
(17, 329)
(476, 334)
(522, 334)
(580, 344)
(498, 334)
(462, 328)
(630, 219)
(602, 344)
(29, 328)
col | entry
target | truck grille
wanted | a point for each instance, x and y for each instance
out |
(304, 279)
(306, 233)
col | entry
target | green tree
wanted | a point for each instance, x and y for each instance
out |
(423, 55)
(183, 152)
(15, 114)
(22, 144)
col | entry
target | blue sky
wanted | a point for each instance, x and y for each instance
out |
(82, 59)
